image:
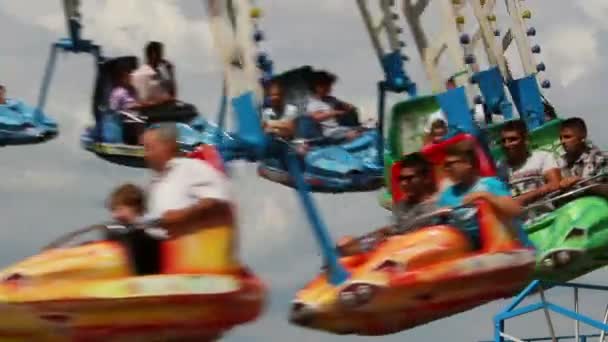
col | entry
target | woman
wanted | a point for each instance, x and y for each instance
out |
(278, 117)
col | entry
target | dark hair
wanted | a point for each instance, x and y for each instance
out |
(439, 123)
(2, 87)
(274, 83)
(322, 78)
(119, 71)
(464, 149)
(416, 161)
(129, 195)
(154, 48)
(548, 109)
(518, 126)
(575, 123)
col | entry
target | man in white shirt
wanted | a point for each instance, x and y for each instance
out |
(532, 174)
(183, 191)
(154, 81)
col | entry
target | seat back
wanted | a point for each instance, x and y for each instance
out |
(528, 100)
(170, 112)
(491, 84)
(209, 154)
(496, 234)
(435, 154)
(209, 245)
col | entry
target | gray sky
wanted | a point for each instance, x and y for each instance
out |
(56, 187)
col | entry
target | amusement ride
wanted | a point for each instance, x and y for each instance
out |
(84, 289)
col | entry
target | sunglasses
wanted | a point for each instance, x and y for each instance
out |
(407, 178)
(508, 140)
(451, 163)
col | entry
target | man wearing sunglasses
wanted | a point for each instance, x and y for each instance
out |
(531, 174)
(462, 167)
(417, 182)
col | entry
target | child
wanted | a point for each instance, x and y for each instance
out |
(127, 203)
(439, 129)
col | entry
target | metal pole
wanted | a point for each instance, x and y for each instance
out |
(603, 333)
(547, 316)
(381, 105)
(46, 81)
(576, 322)
(336, 272)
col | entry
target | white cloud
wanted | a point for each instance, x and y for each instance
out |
(597, 10)
(123, 27)
(575, 50)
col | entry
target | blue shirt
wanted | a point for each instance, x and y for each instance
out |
(466, 217)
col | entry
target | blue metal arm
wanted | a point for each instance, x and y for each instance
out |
(336, 272)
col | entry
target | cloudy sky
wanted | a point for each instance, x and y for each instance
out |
(56, 187)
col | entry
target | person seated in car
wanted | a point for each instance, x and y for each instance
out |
(327, 110)
(123, 95)
(436, 131)
(155, 79)
(580, 159)
(278, 117)
(532, 174)
(2, 95)
(127, 204)
(548, 110)
(462, 167)
(417, 181)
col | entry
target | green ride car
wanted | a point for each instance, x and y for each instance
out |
(571, 236)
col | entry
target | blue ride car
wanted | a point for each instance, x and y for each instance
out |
(21, 124)
(115, 136)
(329, 166)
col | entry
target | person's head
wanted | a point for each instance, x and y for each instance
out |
(275, 94)
(416, 176)
(450, 83)
(573, 136)
(322, 83)
(122, 77)
(2, 94)
(514, 139)
(461, 164)
(160, 145)
(549, 111)
(439, 129)
(154, 52)
(127, 203)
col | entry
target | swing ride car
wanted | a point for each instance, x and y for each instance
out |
(419, 276)
(329, 165)
(21, 124)
(89, 286)
(115, 135)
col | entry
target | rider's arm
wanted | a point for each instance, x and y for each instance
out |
(504, 205)
(552, 183)
(324, 115)
(321, 112)
(552, 176)
(498, 195)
